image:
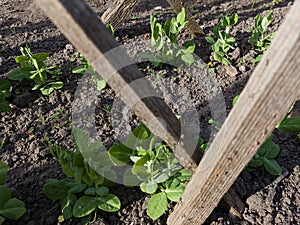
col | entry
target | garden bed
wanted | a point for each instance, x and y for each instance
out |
(34, 117)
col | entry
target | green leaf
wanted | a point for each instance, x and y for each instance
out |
(17, 74)
(257, 59)
(67, 205)
(13, 209)
(81, 139)
(162, 176)
(225, 61)
(41, 57)
(109, 203)
(78, 174)
(234, 19)
(149, 187)
(77, 188)
(4, 84)
(140, 170)
(157, 205)
(1, 219)
(181, 17)
(188, 58)
(210, 40)
(102, 191)
(22, 59)
(120, 154)
(55, 189)
(3, 172)
(183, 175)
(271, 149)
(57, 85)
(129, 179)
(79, 69)
(5, 195)
(272, 167)
(90, 191)
(101, 84)
(84, 206)
(190, 46)
(290, 125)
(218, 57)
(174, 194)
(172, 183)
(141, 132)
(235, 99)
(256, 162)
(4, 107)
(258, 19)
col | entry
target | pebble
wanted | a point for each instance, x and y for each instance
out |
(2, 60)
(157, 8)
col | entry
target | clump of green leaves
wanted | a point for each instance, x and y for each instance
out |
(10, 208)
(155, 169)
(33, 68)
(84, 191)
(164, 39)
(4, 93)
(86, 67)
(223, 42)
(260, 38)
(265, 157)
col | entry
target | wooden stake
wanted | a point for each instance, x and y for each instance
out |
(118, 12)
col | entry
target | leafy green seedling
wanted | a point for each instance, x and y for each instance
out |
(260, 39)
(290, 125)
(164, 39)
(84, 191)
(86, 67)
(223, 41)
(266, 157)
(33, 67)
(110, 28)
(4, 93)
(10, 208)
(155, 169)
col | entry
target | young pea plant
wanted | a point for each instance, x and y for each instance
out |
(265, 156)
(260, 39)
(223, 42)
(4, 93)
(33, 68)
(10, 208)
(86, 67)
(164, 39)
(155, 169)
(84, 191)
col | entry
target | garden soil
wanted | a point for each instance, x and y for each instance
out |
(35, 118)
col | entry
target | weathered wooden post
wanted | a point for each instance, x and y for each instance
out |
(268, 95)
(120, 10)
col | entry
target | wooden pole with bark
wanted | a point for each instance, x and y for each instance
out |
(192, 24)
(118, 12)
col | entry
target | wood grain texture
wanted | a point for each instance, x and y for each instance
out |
(118, 12)
(269, 93)
(192, 24)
